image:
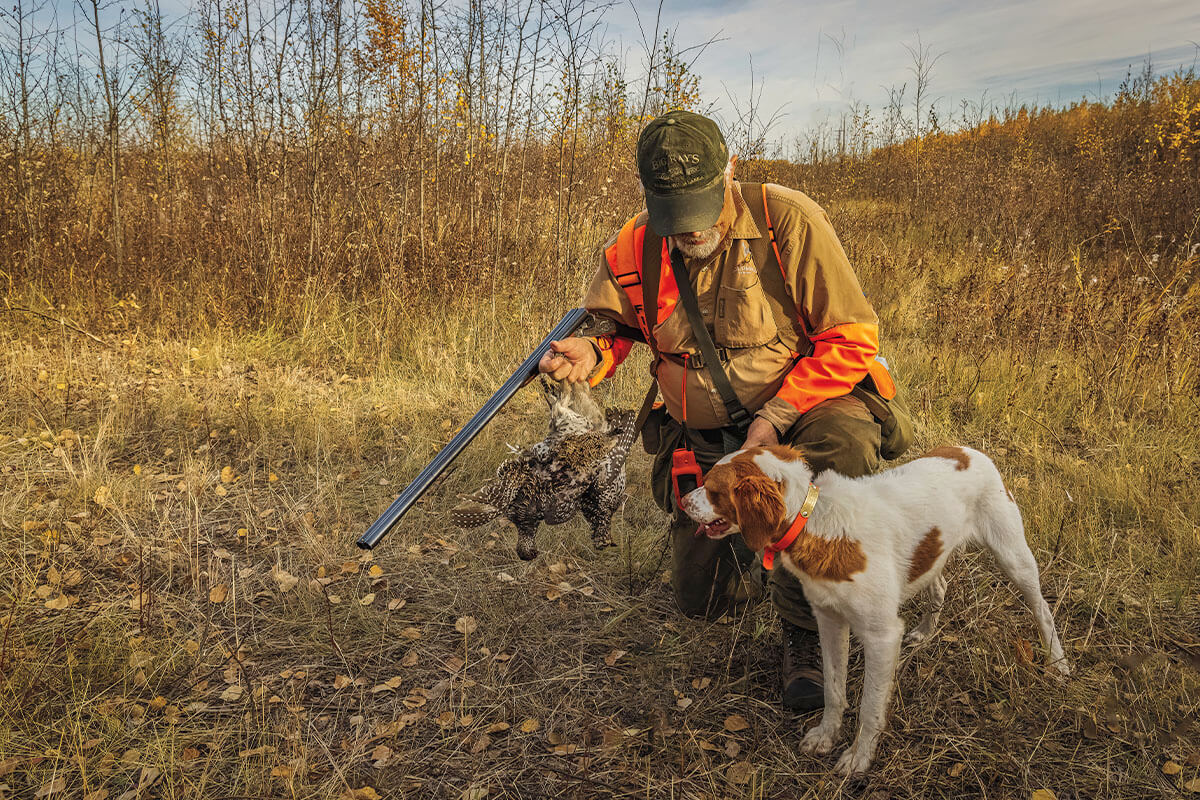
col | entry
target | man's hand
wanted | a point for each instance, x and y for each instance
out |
(571, 359)
(760, 434)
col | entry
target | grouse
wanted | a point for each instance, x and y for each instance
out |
(579, 466)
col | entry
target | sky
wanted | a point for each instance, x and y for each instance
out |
(815, 57)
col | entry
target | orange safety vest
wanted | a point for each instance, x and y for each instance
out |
(625, 261)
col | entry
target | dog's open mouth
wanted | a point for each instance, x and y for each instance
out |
(715, 529)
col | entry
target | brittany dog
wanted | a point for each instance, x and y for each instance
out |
(863, 546)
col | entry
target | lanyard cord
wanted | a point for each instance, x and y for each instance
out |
(683, 401)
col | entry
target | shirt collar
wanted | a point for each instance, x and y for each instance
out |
(743, 224)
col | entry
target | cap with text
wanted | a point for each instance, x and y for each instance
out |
(681, 160)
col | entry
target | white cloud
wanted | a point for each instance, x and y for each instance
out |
(816, 56)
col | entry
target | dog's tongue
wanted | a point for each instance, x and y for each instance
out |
(713, 530)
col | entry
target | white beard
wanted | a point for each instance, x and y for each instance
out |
(700, 246)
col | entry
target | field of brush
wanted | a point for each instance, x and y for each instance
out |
(183, 613)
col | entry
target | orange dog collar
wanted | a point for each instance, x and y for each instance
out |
(793, 531)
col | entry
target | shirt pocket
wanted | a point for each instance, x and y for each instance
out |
(743, 317)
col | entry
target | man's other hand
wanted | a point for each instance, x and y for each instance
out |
(760, 434)
(571, 359)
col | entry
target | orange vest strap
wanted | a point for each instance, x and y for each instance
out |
(623, 260)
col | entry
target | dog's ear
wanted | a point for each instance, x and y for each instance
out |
(760, 510)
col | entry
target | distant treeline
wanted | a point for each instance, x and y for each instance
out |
(238, 165)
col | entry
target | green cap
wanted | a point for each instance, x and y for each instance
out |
(681, 160)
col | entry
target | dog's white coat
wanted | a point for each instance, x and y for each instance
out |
(888, 515)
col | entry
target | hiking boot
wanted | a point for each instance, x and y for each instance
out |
(803, 688)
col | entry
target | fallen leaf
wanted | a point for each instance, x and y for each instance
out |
(58, 603)
(612, 658)
(102, 496)
(504, 577)
(284, 771)
(683, 702)
(739, 772)
(1171, 768)
(380, 755)
(1024, 652)
(701, 683)
(482, 742)
(956, 769)
(474, 792)
(735, 723)
(8, 765)
(1193, 785)
(530, 725)
(445, 719)
(1043, 794)
(466, 625)
(361, 793)
(367, 599)
(232, 693)
(285, 580)
(342, 681)
(227, 475)
(732, 748)
(375, 571)
(221, 491)
(410, 659)
(497, 727)
(272, 477)
(553, 594)
(411, 633)
(99, 794)
(396, 604)
(52, 787)
(218, 593)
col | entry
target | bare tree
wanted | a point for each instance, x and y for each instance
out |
(110, 74)
(923, 61)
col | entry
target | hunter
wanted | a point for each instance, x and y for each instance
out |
(793, 332)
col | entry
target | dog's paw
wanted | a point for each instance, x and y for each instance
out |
(819, 740)
(854, 761)
(1062, 668)
(915, 636)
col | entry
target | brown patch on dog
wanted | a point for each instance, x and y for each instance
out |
(953, 453)
(781, 451)
(785, 453)
(926, 554)
(828, 559)
(740, 492)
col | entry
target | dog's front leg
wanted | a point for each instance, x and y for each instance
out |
(834, 632)
(881, 647)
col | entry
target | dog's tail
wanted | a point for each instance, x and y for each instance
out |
(1003, 533)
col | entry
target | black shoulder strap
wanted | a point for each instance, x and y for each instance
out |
(687, 293)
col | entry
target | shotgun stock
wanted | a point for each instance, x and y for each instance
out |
(570, 324)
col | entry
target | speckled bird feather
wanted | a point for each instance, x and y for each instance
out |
(578, 467)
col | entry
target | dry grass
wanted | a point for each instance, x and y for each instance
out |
(170, 488)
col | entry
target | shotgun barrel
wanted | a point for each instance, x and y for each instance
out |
(570, 324)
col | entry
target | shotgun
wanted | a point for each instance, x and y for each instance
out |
(570, 324)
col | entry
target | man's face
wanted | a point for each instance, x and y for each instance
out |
(700, 245)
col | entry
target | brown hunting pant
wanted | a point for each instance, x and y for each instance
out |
(710, 576)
